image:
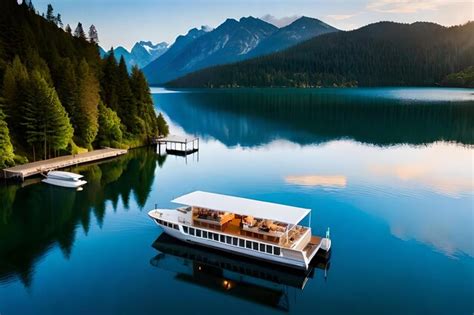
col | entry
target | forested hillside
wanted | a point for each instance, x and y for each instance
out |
(57, 96)
(380, 54)
(464, 78)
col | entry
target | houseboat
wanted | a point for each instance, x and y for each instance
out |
(257, 229)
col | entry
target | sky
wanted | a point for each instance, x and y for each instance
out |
(124, 22)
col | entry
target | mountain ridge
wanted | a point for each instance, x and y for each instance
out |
(232, 41)
(378, 54)
(141, 54)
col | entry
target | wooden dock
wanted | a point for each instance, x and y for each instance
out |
(178, 145)
(34, 168)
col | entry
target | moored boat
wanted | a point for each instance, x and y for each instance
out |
(261, 230)
(64, 179)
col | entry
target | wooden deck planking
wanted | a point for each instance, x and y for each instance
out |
(34, 168)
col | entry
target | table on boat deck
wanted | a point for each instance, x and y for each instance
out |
(272, 236)
(221, 223)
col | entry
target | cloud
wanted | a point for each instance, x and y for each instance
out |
(330, 181)
(279, 22)
(428, 175)
(339, 17)
(406, 6)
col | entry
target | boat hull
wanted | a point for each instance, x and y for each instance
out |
(288, 257)
(64, 183)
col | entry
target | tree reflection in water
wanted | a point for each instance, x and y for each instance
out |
(46, 215)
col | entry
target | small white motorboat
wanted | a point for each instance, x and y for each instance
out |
(64, 179)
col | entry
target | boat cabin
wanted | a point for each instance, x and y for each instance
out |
(263, 221)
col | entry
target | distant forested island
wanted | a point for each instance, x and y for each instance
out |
(58, 96)
(379, 54)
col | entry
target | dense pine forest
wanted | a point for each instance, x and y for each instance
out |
(57, 95)
(380, 54)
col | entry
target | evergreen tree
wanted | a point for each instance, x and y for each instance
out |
(163, 128)
(6, 147)
(109, 81)
(30, 5)
(68, 29)
(45, 121)
(14, 85)
(147, 119)
(50, 14)
(67, 87)
(86, 113)
(51, 89)
(110, 132)
(79, 31)
(93, 35)
(126, 109)
(59, 22)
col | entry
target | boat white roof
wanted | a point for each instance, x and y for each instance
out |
(244, 206)
(65, 174)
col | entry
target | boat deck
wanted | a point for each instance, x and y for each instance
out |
(232, 227)
(312, 246)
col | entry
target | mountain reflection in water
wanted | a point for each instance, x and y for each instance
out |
(254, 117)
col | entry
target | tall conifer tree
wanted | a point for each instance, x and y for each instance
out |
(86, 114)
(126, 106)
(6, 147)
(79, 31)
(45, 120)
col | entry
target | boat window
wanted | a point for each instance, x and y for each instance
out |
(234, 241)
(157, 221)
(191, 231)
(255, 245)
(204, 234)
(228, 239)
(216, 237)
(175, 226)
(269, 249)
(198, 232)
(276, 250)
(262, 247)
(210, 235)
(241, 242)
(248, 244)
(222, 238)
(185, 229)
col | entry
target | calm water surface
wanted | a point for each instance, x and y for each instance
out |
(390, 171)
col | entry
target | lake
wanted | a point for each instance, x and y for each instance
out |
(389, 170)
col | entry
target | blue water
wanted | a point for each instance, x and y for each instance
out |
(390, 172)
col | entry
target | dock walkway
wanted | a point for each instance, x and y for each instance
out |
(30, 169)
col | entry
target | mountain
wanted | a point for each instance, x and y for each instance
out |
(229, 42)
(300, 30)
(380, 54)
(142, 53)
(120, 52)
(232, 41)
(155, 69)
(102, 52)
(145, 52)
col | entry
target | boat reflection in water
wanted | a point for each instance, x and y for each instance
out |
(255, 281)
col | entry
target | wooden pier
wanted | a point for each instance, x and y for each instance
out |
(34, 168)
(178, 145)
